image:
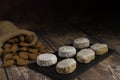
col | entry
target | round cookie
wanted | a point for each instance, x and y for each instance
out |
(66, 51)
(46, 59)
(81, 43)
(99, 48)
(66, 66)
(85, 55)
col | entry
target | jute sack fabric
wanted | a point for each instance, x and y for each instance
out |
(9, 30)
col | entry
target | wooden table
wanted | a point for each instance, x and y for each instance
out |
(53, 38)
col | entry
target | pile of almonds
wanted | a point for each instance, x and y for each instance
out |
(17, 51)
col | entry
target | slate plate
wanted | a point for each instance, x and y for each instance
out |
(51, 71)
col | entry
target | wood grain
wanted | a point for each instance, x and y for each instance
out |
(53, 38)
(111, 37)
(96, 73)
(3, 75)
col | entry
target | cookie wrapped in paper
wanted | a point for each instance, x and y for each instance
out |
(16, 41)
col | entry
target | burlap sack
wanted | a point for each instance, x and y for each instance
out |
(9, 30)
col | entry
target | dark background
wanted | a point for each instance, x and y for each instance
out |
(54, 13)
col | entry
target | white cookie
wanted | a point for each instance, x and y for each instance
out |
(66, 51)
(99, 48)
(66, 66)
(46, 59)
(81, 43)
(85, 55)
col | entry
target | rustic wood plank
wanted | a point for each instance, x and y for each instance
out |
(110, 67)
(111, 37)
(14, 73)
(63, 38)
(3, 75)
(32, 75)
(57, 38)
(105, 70)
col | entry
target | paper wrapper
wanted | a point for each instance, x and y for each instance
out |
(9, 30)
